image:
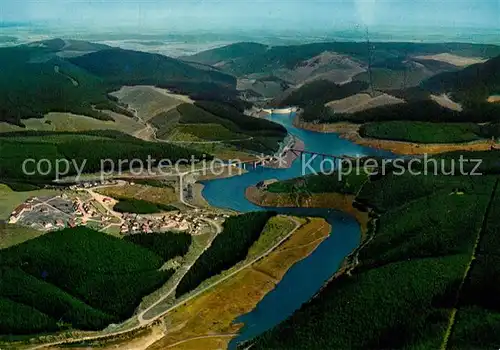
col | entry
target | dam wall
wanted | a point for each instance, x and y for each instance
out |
(280, 110)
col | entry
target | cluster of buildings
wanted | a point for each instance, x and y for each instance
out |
(154, 223)
(19, 211)
(46, 214)
(84, 209)
(58, 212)
(72, 209)
(193, 222)
(92, 184)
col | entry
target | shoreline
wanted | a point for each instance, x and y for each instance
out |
(254, 282)
(336, 201)
(350, 131)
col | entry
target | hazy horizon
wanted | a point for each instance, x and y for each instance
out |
(210, 15)
(177, 27)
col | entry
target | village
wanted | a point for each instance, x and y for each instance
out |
(78, 205)
(195, 222)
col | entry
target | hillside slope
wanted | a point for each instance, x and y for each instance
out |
(139, 68)
(416, 262)
(208, 122)
(229, 52)
(93, 281)
(35, 80)
(246, 58)
(472, 84)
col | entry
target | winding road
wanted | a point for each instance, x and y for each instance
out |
(144, 323)
(140, 316)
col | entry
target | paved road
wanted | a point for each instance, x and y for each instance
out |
(98, 197)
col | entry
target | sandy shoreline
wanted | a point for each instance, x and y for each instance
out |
(335, 201)
(350, 132)
(213, 312)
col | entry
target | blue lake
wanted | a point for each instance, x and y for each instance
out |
(305, 278)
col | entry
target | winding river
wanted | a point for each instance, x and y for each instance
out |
(306, 277)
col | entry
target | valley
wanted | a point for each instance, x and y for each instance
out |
(268, 256)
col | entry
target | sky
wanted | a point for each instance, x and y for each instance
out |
(300, 15)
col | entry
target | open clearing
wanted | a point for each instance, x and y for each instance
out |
(328, 65)
(211, 314)
(158, 195)
(494, 98)
(361, 102)
(73, 122)
(455, 60)
(11, 235)
(6, 127)
(445, 101)
(149, 101)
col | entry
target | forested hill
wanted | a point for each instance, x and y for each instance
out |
(247, 58)
(133, 67)
(238, 50)
(46, 77)
(72, 46)
(427, 278)
(474, 83)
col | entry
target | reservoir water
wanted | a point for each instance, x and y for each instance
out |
(306, 277)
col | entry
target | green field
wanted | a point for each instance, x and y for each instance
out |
(138, 206)
(10, 199)
(11, 235)
(154, 183)
(75, 278)
(208, 132)
(422, 132)
(271, 234)
(71, 122)
(165, 123)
